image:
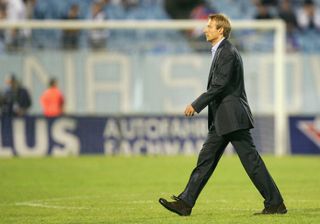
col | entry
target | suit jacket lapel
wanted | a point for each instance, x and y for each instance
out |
(213, 64)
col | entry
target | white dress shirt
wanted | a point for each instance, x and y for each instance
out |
(215, 47)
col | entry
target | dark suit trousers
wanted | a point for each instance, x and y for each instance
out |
(210, 155)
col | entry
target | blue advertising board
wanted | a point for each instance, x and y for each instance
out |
(131, 135)
(304, 134)
(39, 136)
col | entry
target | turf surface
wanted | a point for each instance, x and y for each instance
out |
(98, 190)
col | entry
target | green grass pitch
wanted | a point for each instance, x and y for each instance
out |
(97, 189)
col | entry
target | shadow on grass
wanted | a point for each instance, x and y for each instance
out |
(220, 217)
(295, 212)
(304, 211)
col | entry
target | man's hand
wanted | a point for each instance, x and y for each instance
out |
(189, 111)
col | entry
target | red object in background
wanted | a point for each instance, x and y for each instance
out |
(52, 102)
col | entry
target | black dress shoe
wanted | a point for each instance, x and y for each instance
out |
(274, 209)
(177, 206)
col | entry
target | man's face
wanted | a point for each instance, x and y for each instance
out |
(211, 31)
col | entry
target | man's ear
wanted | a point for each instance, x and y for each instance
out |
(220, 30)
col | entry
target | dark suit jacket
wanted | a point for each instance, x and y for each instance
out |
(226, 97)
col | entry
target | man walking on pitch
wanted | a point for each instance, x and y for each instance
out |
(229, 120)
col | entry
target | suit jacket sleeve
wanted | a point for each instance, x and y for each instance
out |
(219, 82)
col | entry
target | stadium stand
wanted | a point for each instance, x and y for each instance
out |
(169, 41)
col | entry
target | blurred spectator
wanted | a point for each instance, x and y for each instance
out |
(3, 9)
(286, 13)
(199, 12)
(98, 37)
(3, 16)
(70, 38)
(129, 4)
(265, 2)
(16, 99)
(309, 16)
(30, 5)
(181, 9)
(52, 100)
(41, 10)
(270, 2)
(15, 11)
(263, 11)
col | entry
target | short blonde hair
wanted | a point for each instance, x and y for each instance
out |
(222, 22)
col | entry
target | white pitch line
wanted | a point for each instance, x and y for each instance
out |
(133, 202)
(63, 198)
(49, 206)
(32, 204)
(45, 203)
